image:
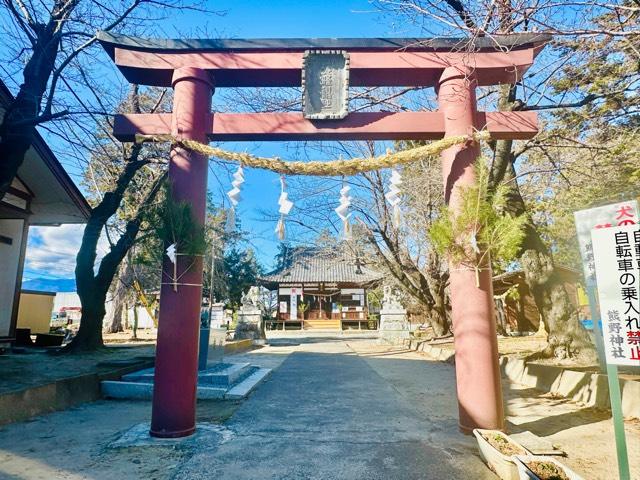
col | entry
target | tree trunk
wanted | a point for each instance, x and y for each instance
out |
(120, 294)
(126, 316)
(567, 337)
(438, 310)
(116, 316)
(13, 148)
(438, 322)
(92, 287)
(501, 316)
(135, 321)
(89, 336)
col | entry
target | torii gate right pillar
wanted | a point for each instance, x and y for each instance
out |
(476, 346)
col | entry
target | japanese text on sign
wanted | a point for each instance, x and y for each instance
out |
(616, 254)
(614, 215)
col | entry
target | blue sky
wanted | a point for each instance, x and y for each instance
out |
(51, 251)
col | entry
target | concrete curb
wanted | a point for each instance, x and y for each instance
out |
(244, 388)
(23, 404)
(432, 351)
(590, 389)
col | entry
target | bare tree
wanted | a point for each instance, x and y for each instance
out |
(132, 176)
(65, 92)
(404, 250)
(51, 60)
(586, 21)
(49, 42)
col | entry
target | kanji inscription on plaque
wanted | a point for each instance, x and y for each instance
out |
(325, 84)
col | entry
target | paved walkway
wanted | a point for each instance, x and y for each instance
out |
(329, 412)
(334, 408)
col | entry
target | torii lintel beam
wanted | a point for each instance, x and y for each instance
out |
(356, 126)
(278, 62)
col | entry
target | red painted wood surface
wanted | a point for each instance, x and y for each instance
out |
(357, 126)
(283, 68)
(176, 369)
(472, 305)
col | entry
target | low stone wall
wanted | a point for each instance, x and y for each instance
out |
(590, 389)
(433, 351)
(23, 404)
(19, 405)
(237, 346)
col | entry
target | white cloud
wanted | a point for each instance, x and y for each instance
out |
(53, 250)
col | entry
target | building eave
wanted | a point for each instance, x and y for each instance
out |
(49, 159)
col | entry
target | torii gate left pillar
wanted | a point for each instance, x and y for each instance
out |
(176, 368)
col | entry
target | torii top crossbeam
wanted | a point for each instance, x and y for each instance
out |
(373, 62)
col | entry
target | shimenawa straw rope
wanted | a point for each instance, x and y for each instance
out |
(332, 168)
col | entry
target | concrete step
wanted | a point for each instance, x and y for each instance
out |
(144, 391)
(229, 381)
(226, 376)
(128, 390)
(144, 376)
(243, 388)
(322, 324)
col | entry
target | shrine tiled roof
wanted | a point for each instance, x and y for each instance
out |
(315, 265)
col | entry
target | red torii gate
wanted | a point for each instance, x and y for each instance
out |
(455, 67)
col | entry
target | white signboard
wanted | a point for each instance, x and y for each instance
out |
(616, 214)
(616, 255)
(294, 304)
(283, 307)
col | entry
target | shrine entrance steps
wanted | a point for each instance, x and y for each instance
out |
(323, 324)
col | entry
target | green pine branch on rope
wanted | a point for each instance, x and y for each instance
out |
(481, 230)
(175, 225)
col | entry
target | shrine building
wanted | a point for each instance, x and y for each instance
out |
(322, 289)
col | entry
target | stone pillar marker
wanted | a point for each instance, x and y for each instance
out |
(394, 325)
(476, 346)
(176, 369)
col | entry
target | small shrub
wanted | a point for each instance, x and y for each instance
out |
(503, 445)
(547, 470)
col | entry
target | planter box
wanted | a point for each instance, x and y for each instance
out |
(526, 474)
(503, 465)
